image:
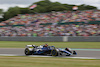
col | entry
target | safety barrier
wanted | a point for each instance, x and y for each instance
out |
(54, 39)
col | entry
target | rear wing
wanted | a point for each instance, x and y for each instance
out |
(28, 46)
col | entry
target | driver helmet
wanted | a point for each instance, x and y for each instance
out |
(45, 45)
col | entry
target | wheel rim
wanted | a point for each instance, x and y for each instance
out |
(26, 51)
(54, 52)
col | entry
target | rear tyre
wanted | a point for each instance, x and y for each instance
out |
(28, 52)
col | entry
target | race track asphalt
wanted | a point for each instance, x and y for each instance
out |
(80, 53)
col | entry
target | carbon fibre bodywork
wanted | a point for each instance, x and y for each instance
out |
(49, 50)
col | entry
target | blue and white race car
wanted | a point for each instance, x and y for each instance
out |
(48, 50)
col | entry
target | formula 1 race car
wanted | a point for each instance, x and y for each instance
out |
(48, 50)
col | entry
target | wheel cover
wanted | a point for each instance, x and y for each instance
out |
(54, 52)
(26, 51)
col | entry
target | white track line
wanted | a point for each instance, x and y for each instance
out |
(83, 57)
(49, 56)
(9, 55)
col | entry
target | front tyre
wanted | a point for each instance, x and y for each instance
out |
(74, 52)
(28, 52)
(68, 55)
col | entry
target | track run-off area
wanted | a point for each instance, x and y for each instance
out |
(81, 53)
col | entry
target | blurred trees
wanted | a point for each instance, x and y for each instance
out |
(12, 11)
(1, 11)
(86, 7)
(24, 10)
(43, 7)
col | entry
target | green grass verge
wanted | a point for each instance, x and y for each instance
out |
(46, 62)
(17, 44)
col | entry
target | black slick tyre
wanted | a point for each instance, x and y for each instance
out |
(28, 52)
